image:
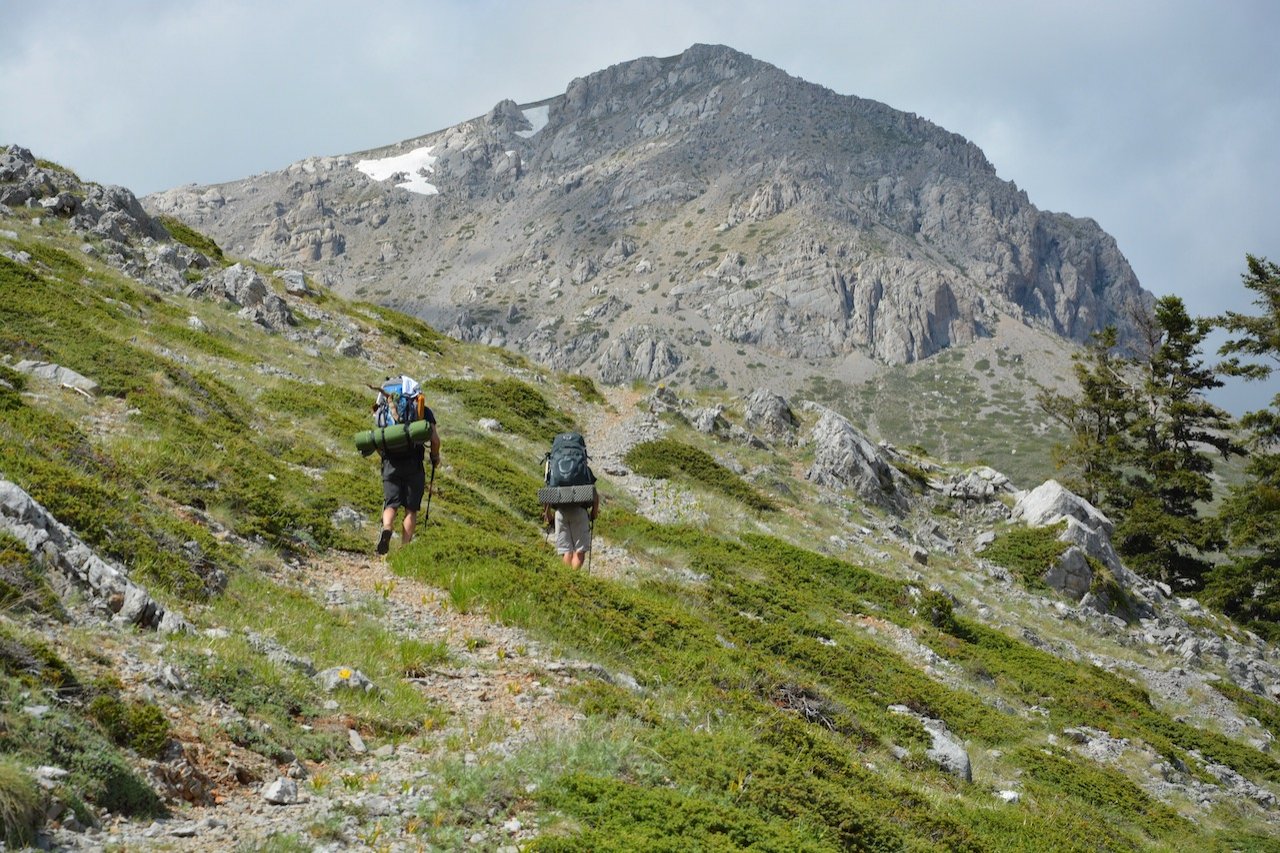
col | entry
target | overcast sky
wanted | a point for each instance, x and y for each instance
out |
(1159, 119)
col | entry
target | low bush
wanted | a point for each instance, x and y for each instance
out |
(139, 726)
(666, 458)
(1028, 552)
(517, 406)
(190, 237)
(20, 805)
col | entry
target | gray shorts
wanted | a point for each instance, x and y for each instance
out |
(573, 530)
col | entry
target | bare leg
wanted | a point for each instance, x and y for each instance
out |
(408, 526)
(577, 558)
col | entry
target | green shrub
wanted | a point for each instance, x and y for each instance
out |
(30, 661)
(188, 236)
(519, 407)
(585, 388)
(1028, 552)
(666, 457)
(139, 726)
(20, 804)
(23, 585)
(98, 772)
(408, 331)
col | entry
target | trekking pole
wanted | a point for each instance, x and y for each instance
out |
(427, 515)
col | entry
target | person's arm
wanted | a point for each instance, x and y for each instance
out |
(595, 505)
(435, 446)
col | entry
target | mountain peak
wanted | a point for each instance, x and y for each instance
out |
(682, 218)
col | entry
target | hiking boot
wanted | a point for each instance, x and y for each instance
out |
(384, 542)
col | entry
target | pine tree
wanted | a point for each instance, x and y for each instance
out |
(1160, 531)
(1097, 421)
(1248, 585)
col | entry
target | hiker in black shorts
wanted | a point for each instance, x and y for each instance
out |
(404, 484)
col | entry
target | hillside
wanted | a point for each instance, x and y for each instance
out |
(789, 637)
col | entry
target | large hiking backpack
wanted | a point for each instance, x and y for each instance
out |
(398, 418)
(568, 478)
(399, 402)
(566, 464)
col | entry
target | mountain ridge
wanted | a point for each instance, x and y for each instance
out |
(673, 211)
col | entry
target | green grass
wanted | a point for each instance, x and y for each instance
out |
(760, 717)
(20, 804)
(516, 405)
(666, 458)
(1028, 552)
(192, 238)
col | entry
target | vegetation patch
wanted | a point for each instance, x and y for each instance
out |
(190, 237)
(666, 458)
(517, 406)
(98, 772)
(139, 726)
(585, 388)
(1028, 552)
(20, 804)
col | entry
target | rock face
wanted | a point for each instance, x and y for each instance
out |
(845, 458)
(700, 200)
(110, 216)
(771, 415)
(79, 569)
(1089, 533)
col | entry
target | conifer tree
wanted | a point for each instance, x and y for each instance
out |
(1160, 531)
(1247, 586)
(1097, 420)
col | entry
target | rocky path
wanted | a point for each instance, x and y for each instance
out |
(372, 796)
(495, 678)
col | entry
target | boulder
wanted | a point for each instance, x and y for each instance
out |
(1050, 502)
(57, 374)
(75, 567)
(947, 751)
(845, 458)
(770, 414)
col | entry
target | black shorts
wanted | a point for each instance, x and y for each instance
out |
(403, 486)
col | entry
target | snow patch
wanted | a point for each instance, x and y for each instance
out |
(413, 168)
(537, 117)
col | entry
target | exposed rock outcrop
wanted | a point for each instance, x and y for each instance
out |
(844, 458)
(76, 568)
(770, 414)
(1088, 531)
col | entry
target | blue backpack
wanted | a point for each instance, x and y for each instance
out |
(400, 401)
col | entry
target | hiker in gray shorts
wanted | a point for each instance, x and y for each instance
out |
(573, 532)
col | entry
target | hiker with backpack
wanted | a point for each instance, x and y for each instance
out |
(404, 477)
(569, 498)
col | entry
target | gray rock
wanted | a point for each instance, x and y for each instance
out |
(770, 414)
(1051, 502)
(56, 374)
(282, 792)
(1071, 575)
(947, 751)
(243, 286)
(344, 678)
(845, 458)
(76, 567)
(295, 282)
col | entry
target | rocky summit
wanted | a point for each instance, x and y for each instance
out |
(703, 218)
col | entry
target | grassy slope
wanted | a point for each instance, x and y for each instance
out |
(761, 716)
